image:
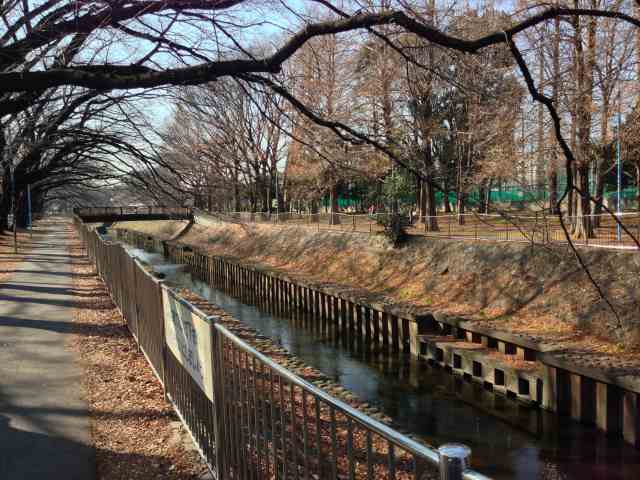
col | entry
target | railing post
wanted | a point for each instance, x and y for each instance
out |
(217, 358)
(454, 460)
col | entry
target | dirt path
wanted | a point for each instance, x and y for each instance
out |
(44, 422)
(135, 432)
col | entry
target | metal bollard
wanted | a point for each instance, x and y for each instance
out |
(454, 460)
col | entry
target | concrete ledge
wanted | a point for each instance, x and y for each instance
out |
(480, 364)
(625, 382)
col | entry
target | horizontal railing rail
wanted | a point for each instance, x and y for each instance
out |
(97, 212)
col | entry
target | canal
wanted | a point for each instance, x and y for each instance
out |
(509, 440)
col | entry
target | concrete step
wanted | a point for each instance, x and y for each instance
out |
(503, 372)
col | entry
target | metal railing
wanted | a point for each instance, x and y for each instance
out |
(291, 429)
(96, 212)
(263, 420)
(546, 229)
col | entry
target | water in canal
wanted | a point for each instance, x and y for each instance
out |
(509, 441)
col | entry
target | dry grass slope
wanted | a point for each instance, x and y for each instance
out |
(536, 291)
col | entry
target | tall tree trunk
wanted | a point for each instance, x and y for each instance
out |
(421, 201)
(553, 164)
(459, 193)
(334, 218)
(22, 211)
(638, 186)
(571, 207)
(482, 192)
(6, 178)
(599, 186)
(429, 194)
(487, 206)
(637, 12)
(5, 206)
(445, 196)
(637, 172)
(541, 168)
(236, 187)
(267, 198)
(604, 160)
(553, 192)
(5, 201)
(582, 227)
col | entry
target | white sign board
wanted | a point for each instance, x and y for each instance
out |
(188, 336)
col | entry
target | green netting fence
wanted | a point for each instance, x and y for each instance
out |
(509, 195)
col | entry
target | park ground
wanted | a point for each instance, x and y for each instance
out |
(133, 432)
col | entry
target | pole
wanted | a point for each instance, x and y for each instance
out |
(619, 175)
(277, 198)
(454, 461)
(29, 217)
(15, 211)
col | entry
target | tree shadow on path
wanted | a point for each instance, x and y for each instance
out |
(26, 455)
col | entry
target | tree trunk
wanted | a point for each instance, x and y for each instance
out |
(571, 208)
(638, 186)
(5, 205)
(429, 195)
(553, 166)
(236, 189)
(482, 192)
(334, 218)
(421, 200)
(460, 208)
(601, 167)
(582, 227)
(487, 207)
(5, 201)
(574, 145)
(428, 209)
(22, 211)
(267, 196)
(604, 161)
(540, 157)
(459, 194)
(445, 197)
